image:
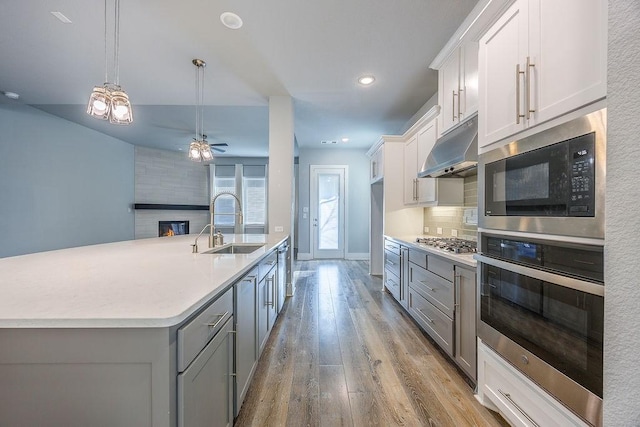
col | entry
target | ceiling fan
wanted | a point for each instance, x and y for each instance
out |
(215, 146)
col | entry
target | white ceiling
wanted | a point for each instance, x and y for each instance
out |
(312, 50)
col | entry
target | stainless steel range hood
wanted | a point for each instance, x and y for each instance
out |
(455, 153)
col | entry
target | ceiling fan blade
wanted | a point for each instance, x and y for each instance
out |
(220, 144)
(219, 150)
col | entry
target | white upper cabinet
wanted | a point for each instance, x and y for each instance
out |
(427, 191)
(376, 165)
(458, 86)
(540, 60)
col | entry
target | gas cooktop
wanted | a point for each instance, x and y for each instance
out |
(449, 244)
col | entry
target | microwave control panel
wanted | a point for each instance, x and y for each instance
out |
(582, 173)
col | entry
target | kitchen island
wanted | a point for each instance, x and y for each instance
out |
(90, 335)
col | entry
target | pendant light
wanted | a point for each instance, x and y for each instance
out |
(110, 101)
(199, 149)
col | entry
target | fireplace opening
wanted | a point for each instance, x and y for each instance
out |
(172, 228)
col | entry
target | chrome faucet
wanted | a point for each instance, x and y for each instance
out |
(211, 225)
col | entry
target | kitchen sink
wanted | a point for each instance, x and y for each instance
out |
(234, 248)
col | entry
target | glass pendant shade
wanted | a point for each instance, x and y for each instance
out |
(121, 113)
(109, 101)
(194, 151)
(205, 151)
(99, 103)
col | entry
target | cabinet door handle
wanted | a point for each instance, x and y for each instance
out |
(453, 105)
(267, 302)
(460, 103)
(518, 115)
(508, 397)
(220, 317)
(528, 86)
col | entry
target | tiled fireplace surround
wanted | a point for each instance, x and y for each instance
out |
(165, 177)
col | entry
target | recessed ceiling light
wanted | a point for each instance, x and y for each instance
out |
(61, 17)
(11, 95)
(345, 139)
(231, 20)
(366, 80)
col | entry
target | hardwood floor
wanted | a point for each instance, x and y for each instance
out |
(344, 353)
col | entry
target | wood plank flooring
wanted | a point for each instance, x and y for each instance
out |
(344, 353)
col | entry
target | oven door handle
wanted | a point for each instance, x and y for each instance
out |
(568, 282)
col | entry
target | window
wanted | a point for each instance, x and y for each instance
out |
(249, 183)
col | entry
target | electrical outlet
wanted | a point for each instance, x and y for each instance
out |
(279, 229)
(439, 230)
(454, 233)
(426, 230)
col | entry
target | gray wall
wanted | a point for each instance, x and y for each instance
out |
(357, 240)
(622, 269)
(61, 184)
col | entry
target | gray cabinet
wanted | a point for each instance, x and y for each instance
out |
(246, 339)
(465, 320)
(442, 300)
(267, 308)
(395, 270)
(205, 388)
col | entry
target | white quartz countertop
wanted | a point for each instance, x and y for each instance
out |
(462, 259)
(154, 282)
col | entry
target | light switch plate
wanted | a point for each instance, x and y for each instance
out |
(439, 230)
(426, 230)
(454, 233)
(279, 229)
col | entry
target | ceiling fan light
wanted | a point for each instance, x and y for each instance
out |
(99, 103)
(121, 112)
(194, 151)
(205, 151)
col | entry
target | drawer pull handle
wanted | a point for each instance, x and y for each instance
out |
(249, 279)
(508, 397)
(392, 282)
(390, 262)
(428, 318)
(427, 286)
(221, 317)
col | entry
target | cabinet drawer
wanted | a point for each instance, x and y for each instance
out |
(434, 288)
(392, 262)
(432, 320)
(267, 264)
(193, 336)
(519, 400)
(392, 247)
(418, 258)
(392, 283)
(440, 267)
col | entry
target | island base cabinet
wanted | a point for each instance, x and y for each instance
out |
(246, 349)
(87, 377)
(205, 388)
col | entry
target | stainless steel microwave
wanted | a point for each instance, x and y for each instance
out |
(552, 182)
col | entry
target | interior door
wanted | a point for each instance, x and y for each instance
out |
(328, 211)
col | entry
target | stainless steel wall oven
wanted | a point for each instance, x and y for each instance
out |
(541, 263)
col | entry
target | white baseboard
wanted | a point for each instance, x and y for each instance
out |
(364, 256)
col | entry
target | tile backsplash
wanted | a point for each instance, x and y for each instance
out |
(450, 218)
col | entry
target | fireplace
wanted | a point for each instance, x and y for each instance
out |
(172, 228)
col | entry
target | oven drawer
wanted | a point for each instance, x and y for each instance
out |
(519, 400)
(432, 320)
(195, 335)
(434, 288)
